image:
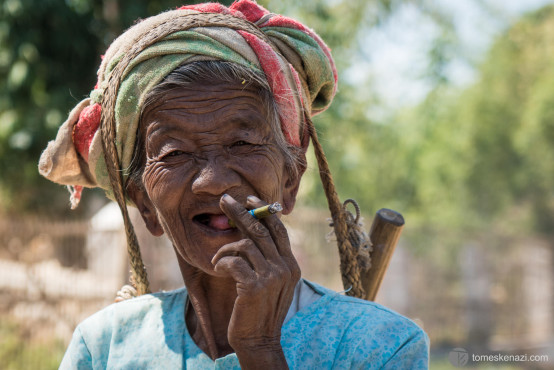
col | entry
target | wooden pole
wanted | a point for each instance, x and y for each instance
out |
(385, 231)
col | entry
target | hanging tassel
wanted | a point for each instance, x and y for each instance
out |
(75, 192)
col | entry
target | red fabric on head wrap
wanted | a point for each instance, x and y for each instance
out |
(213, 8)
(85, 128)
(251, 10)
(279, 85)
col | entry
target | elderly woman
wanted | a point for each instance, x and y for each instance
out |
(199, 115)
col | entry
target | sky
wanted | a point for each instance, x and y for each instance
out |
(394, 56)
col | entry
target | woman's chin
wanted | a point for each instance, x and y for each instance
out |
(203, 242)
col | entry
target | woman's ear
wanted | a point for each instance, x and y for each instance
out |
(147, 210)
(292, 183)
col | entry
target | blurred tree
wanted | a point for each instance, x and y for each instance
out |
(47, 49)
(486, 155)
(480, 163)
(513, 125)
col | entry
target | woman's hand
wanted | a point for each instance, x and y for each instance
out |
(266, 273)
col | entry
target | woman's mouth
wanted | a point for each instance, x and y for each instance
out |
(218, 222)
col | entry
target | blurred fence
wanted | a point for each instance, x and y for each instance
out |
(53, 274)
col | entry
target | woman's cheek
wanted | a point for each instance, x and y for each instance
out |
(162, 181)
(264, 172)
(265, 162)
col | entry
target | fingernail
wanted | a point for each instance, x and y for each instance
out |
(252, 198)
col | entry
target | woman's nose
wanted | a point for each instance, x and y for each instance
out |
(215, 178)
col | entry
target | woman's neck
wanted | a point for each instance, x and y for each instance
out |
(211, 301)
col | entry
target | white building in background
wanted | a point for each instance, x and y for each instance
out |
(106, 246)
(106, 250)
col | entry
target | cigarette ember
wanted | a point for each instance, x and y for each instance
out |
(262, 212)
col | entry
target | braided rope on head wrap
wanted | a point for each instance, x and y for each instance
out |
(94, 147)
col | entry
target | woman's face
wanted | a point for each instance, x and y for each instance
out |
(202, 143)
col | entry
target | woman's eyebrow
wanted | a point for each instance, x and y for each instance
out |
(158, 128)
(163, 133)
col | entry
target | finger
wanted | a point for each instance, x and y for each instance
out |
(254, 202)
(237, 268)
(276, 228)
(244, 248)
(280, 236)
(249, 226)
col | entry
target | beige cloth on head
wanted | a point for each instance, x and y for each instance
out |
(60, 159)
(301, 75)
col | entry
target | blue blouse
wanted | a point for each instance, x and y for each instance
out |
(332, 332)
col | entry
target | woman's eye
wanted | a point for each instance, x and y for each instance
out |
(174, 153)
(240, 143)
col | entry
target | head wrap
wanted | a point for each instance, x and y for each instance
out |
(296, 62)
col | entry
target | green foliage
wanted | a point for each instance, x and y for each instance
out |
(462, 163)
(509, 118)
(482, 159)
(17, 352)
(39, 71)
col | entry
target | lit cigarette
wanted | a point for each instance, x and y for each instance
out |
(262, 212)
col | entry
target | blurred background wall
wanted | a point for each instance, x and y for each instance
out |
(445, 113)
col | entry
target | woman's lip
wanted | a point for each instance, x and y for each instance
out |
(211, 208)
(219, 222)
(207, 211)
(212, 230)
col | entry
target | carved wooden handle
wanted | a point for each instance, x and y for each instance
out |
(385, 231)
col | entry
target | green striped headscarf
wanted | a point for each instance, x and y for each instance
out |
(297, 64)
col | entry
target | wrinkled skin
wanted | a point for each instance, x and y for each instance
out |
(210, 156)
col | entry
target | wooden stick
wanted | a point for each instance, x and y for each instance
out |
(385, 231)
